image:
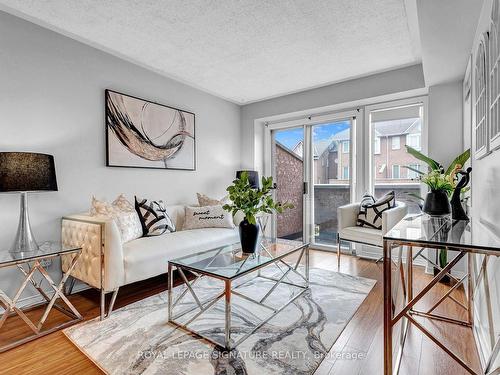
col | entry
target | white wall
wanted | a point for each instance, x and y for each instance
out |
(395, 81)
(52, 101)
(445, 122)
(486, 208)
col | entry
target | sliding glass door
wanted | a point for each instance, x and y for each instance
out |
(313, 167)
(332, 176)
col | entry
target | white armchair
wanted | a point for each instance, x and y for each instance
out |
(348, 230)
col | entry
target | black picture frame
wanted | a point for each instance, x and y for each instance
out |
(109, 162)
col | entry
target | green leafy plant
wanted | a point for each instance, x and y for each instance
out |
(252, 201)
(436, 177)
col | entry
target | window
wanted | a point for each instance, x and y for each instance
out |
(395, 171)
(376, 145)
(413, 140)
(345, 173)
(412, 174)
(395, 142)
(345, 147)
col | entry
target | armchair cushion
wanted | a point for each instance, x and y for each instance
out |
(362, 234)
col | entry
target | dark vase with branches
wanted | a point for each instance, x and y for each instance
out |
(243, 197)
(442, 185)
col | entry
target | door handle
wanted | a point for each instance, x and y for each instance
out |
(306, 188)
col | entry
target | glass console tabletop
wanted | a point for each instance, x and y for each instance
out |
(424, 230)
(47, 250)
(228, 262)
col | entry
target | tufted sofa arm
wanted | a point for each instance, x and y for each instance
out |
(101, 264)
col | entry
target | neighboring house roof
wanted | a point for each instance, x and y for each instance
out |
(299, 148)
(291, 152)
(397, 127)
(320, 146)
(343, 135)
(331, 143)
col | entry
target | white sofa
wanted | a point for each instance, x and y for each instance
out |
(107, 264)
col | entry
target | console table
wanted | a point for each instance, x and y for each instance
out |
(422, 231)
(31, 264)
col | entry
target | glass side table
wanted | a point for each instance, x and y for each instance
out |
(31, 264)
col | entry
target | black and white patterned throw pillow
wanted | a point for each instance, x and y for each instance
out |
(154, 218)
(370, 213)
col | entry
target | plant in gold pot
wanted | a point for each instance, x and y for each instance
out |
(251, 201)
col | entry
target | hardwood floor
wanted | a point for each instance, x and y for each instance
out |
(362, 337)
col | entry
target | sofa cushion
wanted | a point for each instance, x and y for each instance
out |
(362, 234)
(154, 217)
(207, 217)
(122, 212)
(148, 256)
(204, 200)
(176, 213)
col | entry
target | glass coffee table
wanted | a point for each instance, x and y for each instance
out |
(228, 264)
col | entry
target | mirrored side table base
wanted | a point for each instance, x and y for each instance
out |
(34, 273)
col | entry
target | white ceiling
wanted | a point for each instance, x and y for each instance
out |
(447, 29)
(245, 50)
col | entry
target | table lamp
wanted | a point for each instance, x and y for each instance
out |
(23, 172)
(253, 178)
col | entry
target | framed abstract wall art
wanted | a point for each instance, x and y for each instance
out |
(144, 134)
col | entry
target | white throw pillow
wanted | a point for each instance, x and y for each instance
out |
(127, 221)
(154, 218)
(123, 204)
(204, 200)
(207, 217)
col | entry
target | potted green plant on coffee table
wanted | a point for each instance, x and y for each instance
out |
(250, 201)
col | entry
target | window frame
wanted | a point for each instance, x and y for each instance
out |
(344, 167)
(346, 149)
(377, 151)
(416, 136)
(411, 174)
(399, 172)
(393, 138)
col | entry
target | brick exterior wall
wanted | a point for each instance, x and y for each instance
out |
(289, 180)
(391, 157)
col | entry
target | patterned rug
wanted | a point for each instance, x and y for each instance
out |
(137, 339)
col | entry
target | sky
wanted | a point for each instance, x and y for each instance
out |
(290, 137)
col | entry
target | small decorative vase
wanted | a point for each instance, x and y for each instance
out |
(437, 203)
(249, 235)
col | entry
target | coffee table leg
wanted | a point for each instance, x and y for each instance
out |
(170, 287)
(227, 328)
(307, 265)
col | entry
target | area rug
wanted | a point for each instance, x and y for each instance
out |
(137, 339)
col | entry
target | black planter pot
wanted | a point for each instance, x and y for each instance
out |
(445, 279)
(249, 235)
(437, 203)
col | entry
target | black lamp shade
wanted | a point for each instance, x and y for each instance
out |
(253, 178)
(27, 171)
